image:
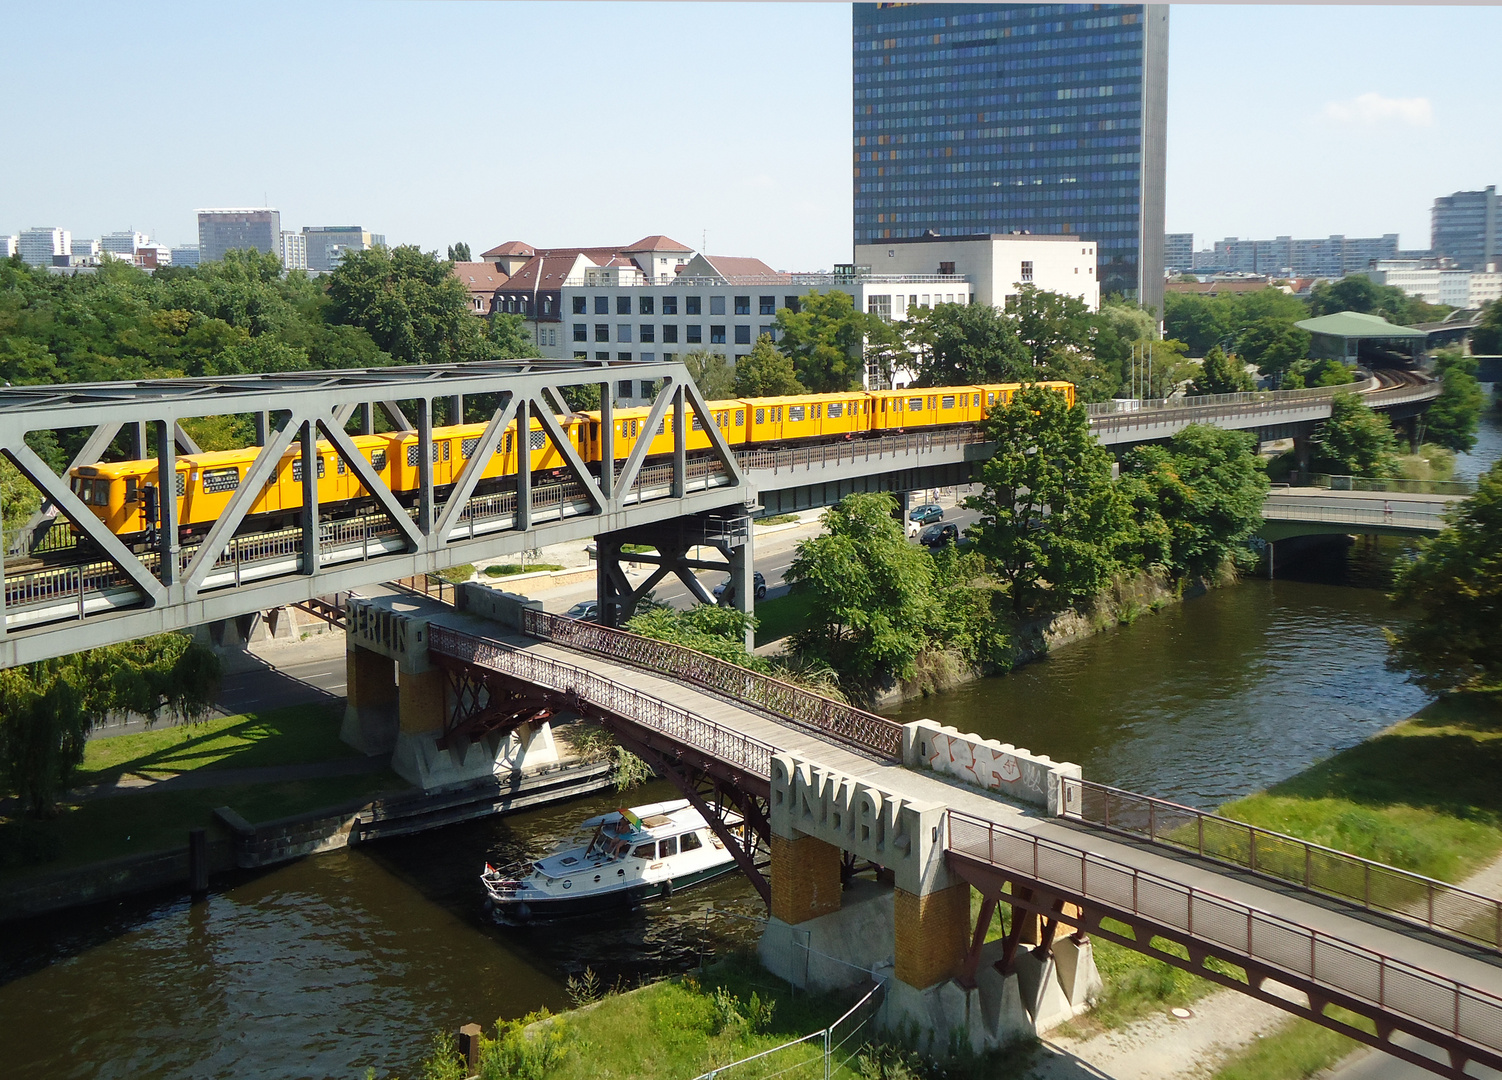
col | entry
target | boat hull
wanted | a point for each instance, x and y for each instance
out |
(524, 909)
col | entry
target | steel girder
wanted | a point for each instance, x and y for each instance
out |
(308, 405)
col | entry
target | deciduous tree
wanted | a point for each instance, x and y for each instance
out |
(410, 302)
(1453, 417)
(1272, 344)
(825, 338)
(1355, 441)
(1486, 339)
(1221, 374)
(766, 372)
(961, 344)
(711, 373)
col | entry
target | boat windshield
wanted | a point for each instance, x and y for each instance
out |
(607, 844)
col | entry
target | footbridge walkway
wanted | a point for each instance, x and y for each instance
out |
(806, 792)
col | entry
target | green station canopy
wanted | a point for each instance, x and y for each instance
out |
(1353, 324)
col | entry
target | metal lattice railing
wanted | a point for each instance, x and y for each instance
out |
(856, 728)
(869, 449)
(1286, 949)
(645, 710)
(1375, 886)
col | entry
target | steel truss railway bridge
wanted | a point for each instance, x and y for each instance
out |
(58, 600)
(830, 794)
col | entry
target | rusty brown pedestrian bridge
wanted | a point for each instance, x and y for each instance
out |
(814, 797)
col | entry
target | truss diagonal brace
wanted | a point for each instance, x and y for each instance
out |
(645, 434)
(575, 462)
(372, 483)
(474, 468)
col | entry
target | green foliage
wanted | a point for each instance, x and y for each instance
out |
(1201, 322)
(960, 344)
(718, 631)
(1486, 339)
(1297, 1050)
(1355, 441)
(766, 372)
(1302, 373)
(869, 592)
(825, 339)
(514, 1053)
(961, 617)
(1051, 518)
(1453, 595)
(443, 1061)
(1221, 374)
(1360, 294)
(1202, 493)
(711, 373)
(1050, 325)
(1272, 344)
(584, 988)
(459, 252)
(1453, 417)
(48, 708)
(18, 498)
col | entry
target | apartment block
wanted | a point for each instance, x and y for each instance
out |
(41, 246)
(251, 229)
(1464, 227)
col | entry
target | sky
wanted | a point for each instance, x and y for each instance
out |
(724, 126)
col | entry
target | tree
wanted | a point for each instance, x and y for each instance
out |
(48, 708)
(1452, 638)
(1453, 417)
(709, 628)
(1486, 339)
(1355, 441)
(1201, 322)
(459, 252)
(964, 344)
(1273, 345)
(711, 373)
(825, 338)
(410, 302)
(1304, 373)
(1206, 487)
(1360, 294)
(1051, 520)
(1049, 323)
(18, 498)
(1221, 374)
(868, 590)
(766, 372)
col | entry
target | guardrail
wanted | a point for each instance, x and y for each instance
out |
(856, 728)
(1130, 406)
(1309, 509)
(1291, 952)
(869, 449)
(1437, 905)
(1406, 487)
(646, 710)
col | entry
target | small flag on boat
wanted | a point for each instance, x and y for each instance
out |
(630, 819)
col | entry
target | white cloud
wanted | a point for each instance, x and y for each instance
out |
(1371, 109)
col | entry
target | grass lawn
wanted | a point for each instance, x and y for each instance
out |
(99, 829)
(780, 617)
(1297, 1050)
(1425, 795)
(290, 736)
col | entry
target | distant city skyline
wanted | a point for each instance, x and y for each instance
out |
(725, 125)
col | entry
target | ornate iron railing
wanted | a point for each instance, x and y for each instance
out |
(1437, 905)
(856, 728)
(645, 710)
(1428, 1000)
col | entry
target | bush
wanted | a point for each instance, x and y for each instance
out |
(515, 1054)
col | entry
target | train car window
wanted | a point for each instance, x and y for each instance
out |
(218, 480)
(761, 416)
(378, 460)
(836, 410)
(508, 443)
(445, 449)
(990, 397)
(411, 457)
(976, 399)
(181, 486)
(633, 428)
(130, 489)
(694, 420)
(740, 417)
(536, 440)
(948, 402)
(467, 447)
(662, 428)
(795, 412)
(297, 466)
(932, 400)
(818, 409)
(915, 404)
(339, 466)
(776, 414)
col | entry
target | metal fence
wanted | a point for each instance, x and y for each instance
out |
(827, 1053)
(645, 710)
(856, 728)
(1428, 517)
(1408, 487)
(1263, 398)
(1290, 952)
(873, 449)
(1375, 886)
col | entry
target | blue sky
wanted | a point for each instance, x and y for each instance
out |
(588, 123)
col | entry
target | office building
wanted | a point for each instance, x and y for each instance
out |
(1284, 256)
(254, 229)
(294, 250)
(1435, 281)
(996, 266)
(982, 119)
(41, 246)
(123, 243)
(326, 244)
(7, 247)
(1178, 252)
(1464, 227)
(185, 255)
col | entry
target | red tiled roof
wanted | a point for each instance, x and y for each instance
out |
(656, 243)
(510, 247)
(730, 267)
(479, 276)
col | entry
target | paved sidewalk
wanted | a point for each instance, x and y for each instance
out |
(133, 783)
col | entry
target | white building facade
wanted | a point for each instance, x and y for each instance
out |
(996, 264)
(123, 243)
(294, 250)
(40, 246)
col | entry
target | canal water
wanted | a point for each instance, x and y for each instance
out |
(348, 961)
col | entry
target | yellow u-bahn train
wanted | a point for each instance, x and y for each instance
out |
(123, 494)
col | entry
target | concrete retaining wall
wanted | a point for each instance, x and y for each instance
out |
(991, 765)
(127, 876)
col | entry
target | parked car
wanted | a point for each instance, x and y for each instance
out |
(926, 513)
(758, 586)
(939, 534)
(587, 610)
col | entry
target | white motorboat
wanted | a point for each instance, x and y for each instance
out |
(618, 859)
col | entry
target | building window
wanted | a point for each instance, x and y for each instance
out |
(743, 305)
(623, 388)
(646, 389)
(1027, 270)
(690, 306)
(880, 306)
(644, 305)
(670, 334)
(670, 305)
(767, 305)
(623, 305)
(717, 305)
(602, 305)
(763, 331)
(623, 356)
(623, 332)
(581, 332)
(602, 331)
(647, 357)
(648, 333)
(742, 334)
(946, 268)
(602, 356)
(717, 335)
(694, 335)
(791, 303)
(581, 305)
(547, 305)
(581, 356)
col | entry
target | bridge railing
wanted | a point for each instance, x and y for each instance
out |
(1264, 398)
(1429, 1000)
(646, 710)
(1310, 509)
(860, 449)
(856, 728)
(1406, 487)
(1437, 905)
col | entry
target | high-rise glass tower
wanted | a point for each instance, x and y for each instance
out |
(1467, 227)
(1000, 118)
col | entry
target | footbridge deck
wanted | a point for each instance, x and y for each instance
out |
(1299, 949)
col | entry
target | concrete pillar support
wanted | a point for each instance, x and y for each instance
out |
(1301, 455)
(370, 711)
(805, 878)
(932, 933)
(421, 704)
